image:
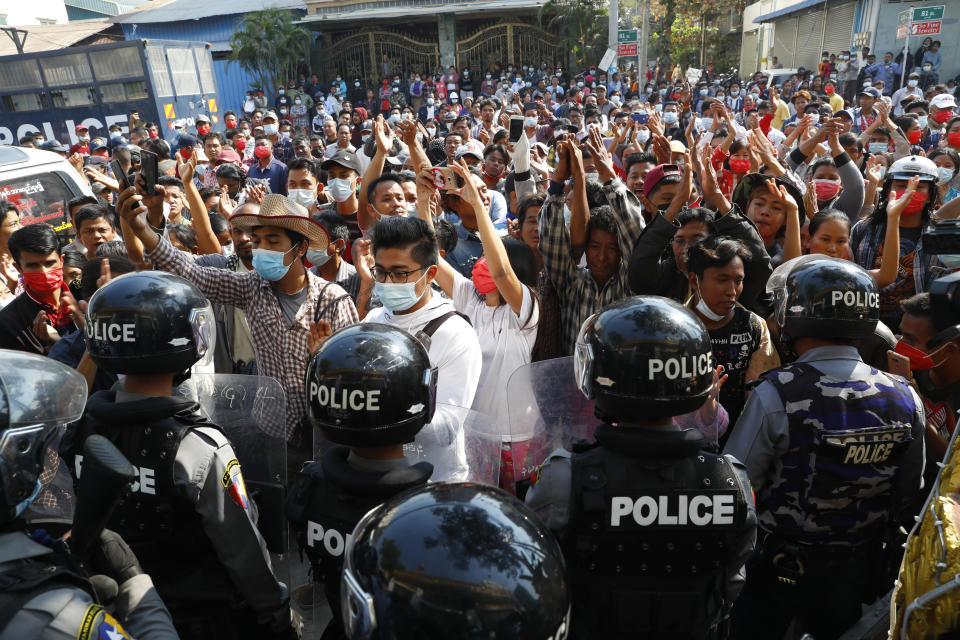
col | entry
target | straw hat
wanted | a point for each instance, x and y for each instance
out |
(279, 211)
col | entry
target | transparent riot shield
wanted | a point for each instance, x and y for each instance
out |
(251, 412)
(462, 445)
(547, 412)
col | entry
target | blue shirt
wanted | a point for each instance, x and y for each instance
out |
(933, 58)
(469, 248)
(275, 173)
(886, 72)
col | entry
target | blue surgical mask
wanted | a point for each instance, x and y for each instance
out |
(877, 147)
(883, 171)
(318, 257)
(735, 92)
(643, 135)
(946, 174)
(706, 123)
(269, 264)
(922, 121)
(340, 189)
(398, 296)
(663, 92)
(670, 117)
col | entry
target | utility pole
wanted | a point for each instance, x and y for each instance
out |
(644, 41)
(14, 34)
(614, 24)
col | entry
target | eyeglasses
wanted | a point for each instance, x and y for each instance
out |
(381, 275)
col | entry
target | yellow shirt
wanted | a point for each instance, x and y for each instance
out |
(836, 101)
(780, 115)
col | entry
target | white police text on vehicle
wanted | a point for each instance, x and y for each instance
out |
(685, 367)
(676, 510)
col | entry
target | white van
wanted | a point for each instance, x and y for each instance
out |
(775, 77)
(39, 183)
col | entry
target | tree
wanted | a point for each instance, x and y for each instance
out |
(268, 45)
(581, 26)
(680, 28)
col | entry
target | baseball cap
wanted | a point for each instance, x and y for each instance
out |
(870, 91)
(228, 155)
(97, 145)
(346, 159)
(187, 141)
(943, 101)
(202, 118)
(677, 147)
(270, 114)
(81, 127)
(464, 150)
(657, 174)
(54, 145)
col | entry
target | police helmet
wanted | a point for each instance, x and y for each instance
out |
(37, 395)
(826, 297)
(149, 322)
(644, 356)
(371, 385)
(454, 560)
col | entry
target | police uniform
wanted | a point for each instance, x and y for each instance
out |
(189, 518)
(41, 598)
(655, 530)
(832, 447)
(328, 499)
(835, 452)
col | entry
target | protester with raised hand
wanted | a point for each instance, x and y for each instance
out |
(200, 220)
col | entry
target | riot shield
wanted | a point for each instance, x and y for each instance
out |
(461, 444)
(547, 412)
(250, 411)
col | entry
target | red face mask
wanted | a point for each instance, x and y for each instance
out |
(828, 89)
(914, 136)
(953, 139)
(482, 279)
(231, 124)
(739, 165)
(186, 152)
(826, 189)
(44, 283)
(915, 206)
(203, 129)
(262, 152)
(919, 361)
(240, 144)
(943, 116)
(154, 134)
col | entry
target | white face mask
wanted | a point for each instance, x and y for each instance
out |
(271, 129)
(530, 121)
(227, 249)
(431, 131)
(705, 310)
(166, 210)
(304, 197)
(340, 189)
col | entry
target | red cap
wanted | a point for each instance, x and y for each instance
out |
(228, 155)
(82, 127)
(657, 174)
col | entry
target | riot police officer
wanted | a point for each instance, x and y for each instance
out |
(655, 529)
(42, 594)
(834, 450)
(454, 560)
(370, 389)
(189, 517)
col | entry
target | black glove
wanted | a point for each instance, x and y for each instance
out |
(114, 558)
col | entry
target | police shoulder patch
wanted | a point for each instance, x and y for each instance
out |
(95, 627)
(232, 481)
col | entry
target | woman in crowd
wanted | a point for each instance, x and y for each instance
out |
(948, 165)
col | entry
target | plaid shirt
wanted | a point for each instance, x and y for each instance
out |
(282, 348)
(577, 291)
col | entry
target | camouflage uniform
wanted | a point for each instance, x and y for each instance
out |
(834, 449)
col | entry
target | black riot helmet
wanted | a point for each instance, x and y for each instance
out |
(454, 560)
(37, 395)
(371, 385)
(824, 297)
(644, 356)
(149, 322)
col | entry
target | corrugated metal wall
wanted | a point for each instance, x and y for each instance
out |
(232, 84)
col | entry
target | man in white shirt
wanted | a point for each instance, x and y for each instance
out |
(405, 258)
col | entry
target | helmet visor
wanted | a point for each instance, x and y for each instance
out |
(21, 460)
(583, 356)
(356, 605)
(204, 333)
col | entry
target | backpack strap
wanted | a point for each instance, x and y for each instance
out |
(425, 335)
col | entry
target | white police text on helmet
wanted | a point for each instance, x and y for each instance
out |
(334, 542)
(352, 399)
(855, 299)
(698, 510)
(111, 331)
(684, 367)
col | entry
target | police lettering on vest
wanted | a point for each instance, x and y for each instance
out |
(673, 368)
(855, 298)
(333, 541)
(354, 400)
(146, 481)
(870, 447)
(111, 332)
(699, 510)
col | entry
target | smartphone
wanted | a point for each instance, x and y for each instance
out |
(122, 178)
(642, 118)
(148, 169)
(898, 364)
(516, 128)
(444, 178)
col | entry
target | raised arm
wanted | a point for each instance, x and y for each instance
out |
(384, 138)
(890, 260)
(579, 207)
(206, 240)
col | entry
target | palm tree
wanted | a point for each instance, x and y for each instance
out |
(581, 24)
(268, 45)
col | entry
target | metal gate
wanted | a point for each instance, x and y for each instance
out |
(508, 43)
(371, 55)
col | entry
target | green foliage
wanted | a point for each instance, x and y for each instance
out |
(268, 45)
(677, 27)
(580, 24)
